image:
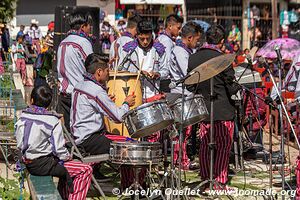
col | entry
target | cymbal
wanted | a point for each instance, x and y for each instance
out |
(210, 68)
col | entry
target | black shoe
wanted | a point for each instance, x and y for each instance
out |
(194, 166)
(101, 178)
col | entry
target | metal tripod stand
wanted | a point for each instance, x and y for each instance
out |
(281, 109)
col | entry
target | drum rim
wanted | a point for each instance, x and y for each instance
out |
(187, 98)
(144, 105)
(122, 73)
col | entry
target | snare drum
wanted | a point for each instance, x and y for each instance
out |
(148, 118)
(135, 153)
(194, 110)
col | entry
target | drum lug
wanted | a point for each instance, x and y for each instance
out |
(111, 151)
(148, 155)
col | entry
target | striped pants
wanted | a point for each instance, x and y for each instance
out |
(223, 132)
(185, 161)
(128, 176)
(81, 175)
(297, 171)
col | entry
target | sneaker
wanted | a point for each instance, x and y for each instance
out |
(194, 166)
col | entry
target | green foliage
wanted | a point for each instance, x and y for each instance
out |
(6, 82)
(10, 188)
(7, 10)
(10, 126)
(6, 85)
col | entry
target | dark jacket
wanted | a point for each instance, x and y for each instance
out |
(224, 87)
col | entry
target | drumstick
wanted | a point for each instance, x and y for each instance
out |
(115, 75)
(138, 77)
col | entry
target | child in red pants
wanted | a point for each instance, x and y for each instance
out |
(19, 57)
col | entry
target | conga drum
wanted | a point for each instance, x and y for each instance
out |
(123, 86)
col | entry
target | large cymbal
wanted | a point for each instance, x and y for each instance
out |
(210, 68)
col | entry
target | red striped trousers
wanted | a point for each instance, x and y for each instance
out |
(297, 170)
(185, 161)
(223, 132)
(82, 175)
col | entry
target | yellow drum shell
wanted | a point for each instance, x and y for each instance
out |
(123, 86)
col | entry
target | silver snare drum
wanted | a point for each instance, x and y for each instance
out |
(194, 110)
(148, 118)
(135, 153)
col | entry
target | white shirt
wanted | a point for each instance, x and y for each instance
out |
(39, 133)
(71, 55)
(90, 103)
(34, 33)
(167, 41)
(152, 60)
(179, 65)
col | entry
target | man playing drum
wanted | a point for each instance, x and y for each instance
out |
(149, 56)
(90, 102)
(190, 35)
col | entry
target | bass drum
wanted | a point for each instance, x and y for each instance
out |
(135, 153)
(122, 87)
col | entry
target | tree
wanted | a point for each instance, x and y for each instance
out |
(7, 9)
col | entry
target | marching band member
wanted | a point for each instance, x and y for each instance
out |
(127, 36)
(90, 102)
(144, 50)
(167, 38)
(224, 110)
(190, 35)
(71, 55)
(40, 138)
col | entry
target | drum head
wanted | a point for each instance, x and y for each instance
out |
(122, 73)
(187, 98)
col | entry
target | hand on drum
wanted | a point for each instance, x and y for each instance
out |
(111, 61)
(154, 75)
(112, 97)
(151, 74)
(130, 100)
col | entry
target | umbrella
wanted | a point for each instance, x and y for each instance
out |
(203, 24)
(289, 48)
